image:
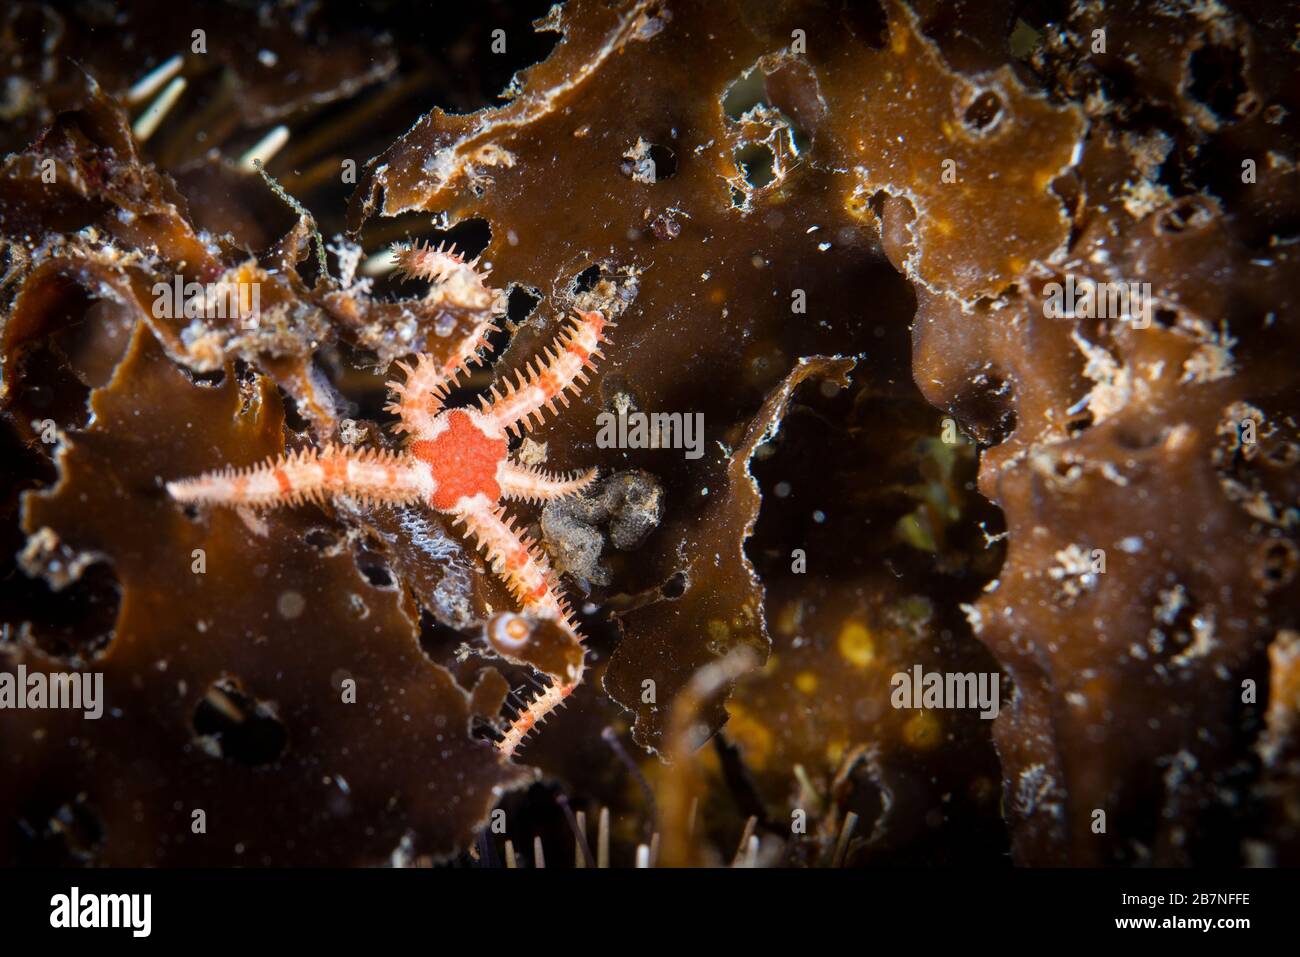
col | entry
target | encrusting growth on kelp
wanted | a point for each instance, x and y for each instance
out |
(455, 460)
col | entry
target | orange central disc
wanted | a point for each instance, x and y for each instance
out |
(463, 461)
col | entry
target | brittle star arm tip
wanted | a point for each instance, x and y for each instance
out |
(526, 483)
(562, 369)
(458, 287)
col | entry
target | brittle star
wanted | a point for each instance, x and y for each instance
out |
(455, 460)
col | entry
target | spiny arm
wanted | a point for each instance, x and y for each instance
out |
(459, 287)
(455, 282)
(536, 712)
(561, 371)
(419, 397)
(308, 476)
(515, 558)
(524, 483)
(521, 565)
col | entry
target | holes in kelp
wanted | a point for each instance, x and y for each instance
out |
(228, 723)
(983, 111)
